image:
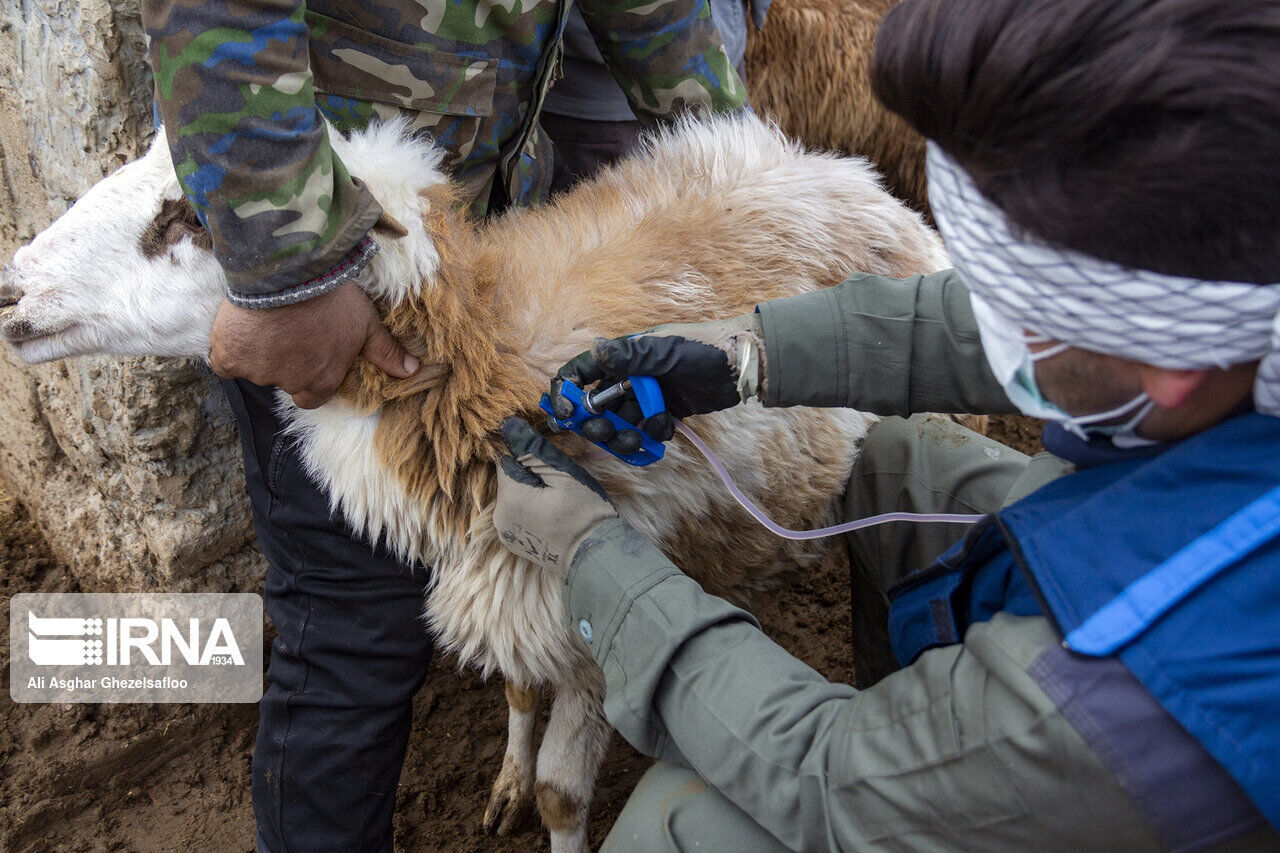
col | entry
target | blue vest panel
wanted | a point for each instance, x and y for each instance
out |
(1170, 563)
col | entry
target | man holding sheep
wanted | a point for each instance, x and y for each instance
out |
(1094, 665)
(245, 90)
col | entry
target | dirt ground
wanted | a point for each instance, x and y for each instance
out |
(1016, 431)
(176, 777)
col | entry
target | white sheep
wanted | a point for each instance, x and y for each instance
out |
(707, 220)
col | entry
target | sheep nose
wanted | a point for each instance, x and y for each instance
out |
(9, 292)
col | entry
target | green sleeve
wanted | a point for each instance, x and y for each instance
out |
(960, 750)
(667, 56)
(882, 345)
(234, 88)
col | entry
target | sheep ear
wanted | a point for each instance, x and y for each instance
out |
(388, 226)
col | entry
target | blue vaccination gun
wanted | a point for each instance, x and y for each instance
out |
(592, 404)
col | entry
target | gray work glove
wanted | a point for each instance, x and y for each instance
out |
(546, 503)
(700, 367)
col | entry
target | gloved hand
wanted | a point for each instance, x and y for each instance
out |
(546, 503)
(700, 367)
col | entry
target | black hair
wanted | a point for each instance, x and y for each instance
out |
(1144, 132)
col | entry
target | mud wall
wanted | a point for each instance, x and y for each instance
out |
(130, 467)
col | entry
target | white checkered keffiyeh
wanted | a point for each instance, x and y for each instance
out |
(1167, 321)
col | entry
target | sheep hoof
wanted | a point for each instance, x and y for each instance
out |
(509, 807)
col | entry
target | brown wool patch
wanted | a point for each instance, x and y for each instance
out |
(388, 226)
(559, 811)
(521, 699)
(175, 221)
(822, 48)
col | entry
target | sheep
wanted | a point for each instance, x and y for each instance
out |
(707, 219)
(808, 69)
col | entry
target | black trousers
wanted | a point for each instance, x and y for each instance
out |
(583, 147)
(350, 649)
(350, 653)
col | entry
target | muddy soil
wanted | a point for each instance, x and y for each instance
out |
(1016, 431)
(176, 777)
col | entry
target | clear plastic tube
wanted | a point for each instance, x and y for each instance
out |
(821, 533)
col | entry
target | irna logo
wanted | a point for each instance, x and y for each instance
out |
(126, 641)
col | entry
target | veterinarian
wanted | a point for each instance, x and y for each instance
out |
(1096, 663)
(244, 90)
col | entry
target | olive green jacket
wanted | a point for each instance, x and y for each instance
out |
(961, 750)
(880, 345)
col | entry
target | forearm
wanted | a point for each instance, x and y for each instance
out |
(691, 679)
(251, 150)
(883, 345)
(667, 58)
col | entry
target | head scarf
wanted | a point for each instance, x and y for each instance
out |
(1162, 320)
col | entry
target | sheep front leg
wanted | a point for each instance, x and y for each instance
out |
(512, 793)
(569, 759)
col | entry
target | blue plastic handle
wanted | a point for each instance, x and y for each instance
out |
(649, 396)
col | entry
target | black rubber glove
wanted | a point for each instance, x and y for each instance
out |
(700, 367)
(546, 503)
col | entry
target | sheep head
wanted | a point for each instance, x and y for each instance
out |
(129, 270)
(126, 270)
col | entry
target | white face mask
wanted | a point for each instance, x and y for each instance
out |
(1013, 364)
